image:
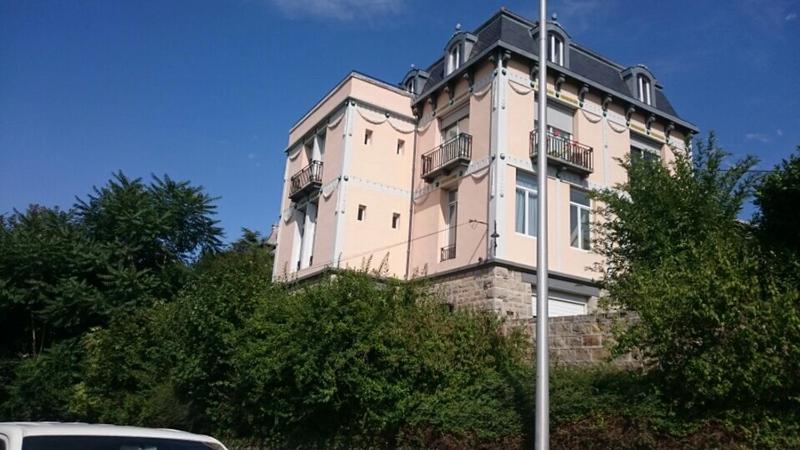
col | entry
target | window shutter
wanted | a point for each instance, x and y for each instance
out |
(558, 116)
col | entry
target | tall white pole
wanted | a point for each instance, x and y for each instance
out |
(542, 436)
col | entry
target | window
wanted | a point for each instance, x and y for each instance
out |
(401, 146)
(454, 59)
(579, 226)
(410, 86)
(559, 120)
(367, 137)
(452, 131)
(644, 89)
(395, 220)
(451, 225)
(644, 154)
(362, 212)
(556, 50)
(527, 200)
(644, 149)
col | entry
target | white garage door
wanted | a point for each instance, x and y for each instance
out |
(562, 307)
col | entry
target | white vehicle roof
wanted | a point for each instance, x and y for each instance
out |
(17, 430)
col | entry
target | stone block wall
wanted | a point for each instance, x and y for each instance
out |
(583, 340)
(491, 288)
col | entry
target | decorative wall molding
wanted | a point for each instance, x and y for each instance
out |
(380, 187)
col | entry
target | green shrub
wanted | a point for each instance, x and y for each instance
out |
(353, 362)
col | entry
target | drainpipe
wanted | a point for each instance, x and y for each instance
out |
(411, 199)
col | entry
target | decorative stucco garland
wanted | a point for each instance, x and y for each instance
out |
(362, 111)
(591, 117)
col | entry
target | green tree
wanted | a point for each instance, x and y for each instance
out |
(718, 327)
(777, 199)
(169, 364)
(64, 273)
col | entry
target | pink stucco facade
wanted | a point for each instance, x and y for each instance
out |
(428, 180)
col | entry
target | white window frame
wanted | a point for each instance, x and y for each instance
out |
(645, 89)
(580, 209)
(454, 58)
(556, 50)
(451, 217)
(530, 200)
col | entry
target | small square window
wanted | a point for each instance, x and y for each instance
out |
(395, 220)
(401, 146)
(368, 137)
(362, 212)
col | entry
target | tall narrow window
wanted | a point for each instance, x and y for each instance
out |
(367, 137)
(362, 212)
(451, 225)
(526, 218)
(454, 59)
(580, 233)
(395, 220)
(401, 146)
(556, 50)
(644, 90)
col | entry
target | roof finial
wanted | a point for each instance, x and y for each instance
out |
(554, 17)
(413, 66)
(458, 27)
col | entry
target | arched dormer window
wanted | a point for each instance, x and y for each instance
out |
(556, 49)
(558, 43)
(409, 86)
(414, 81)
(457, 50)
(642, 84)
(644, 89)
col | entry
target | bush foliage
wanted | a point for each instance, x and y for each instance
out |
(720, 326)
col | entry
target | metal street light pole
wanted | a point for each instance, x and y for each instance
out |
(542, 436)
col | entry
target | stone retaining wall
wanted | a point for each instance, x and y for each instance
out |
(583, 340)
(492, 288)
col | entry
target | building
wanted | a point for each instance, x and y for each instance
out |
(434, 177)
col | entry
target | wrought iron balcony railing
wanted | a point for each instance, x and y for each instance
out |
(306, 180)
(448, 252)
(446, 157)
(565, 152)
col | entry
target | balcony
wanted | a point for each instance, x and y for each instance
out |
(565, 152)
(451, 155)
(306, 181)
(448, 252)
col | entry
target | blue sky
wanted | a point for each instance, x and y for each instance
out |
(206, 90)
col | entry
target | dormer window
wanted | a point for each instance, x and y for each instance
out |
(457, 50)
(644, 89)
(454, 59)
(414, 80)
(556, 50)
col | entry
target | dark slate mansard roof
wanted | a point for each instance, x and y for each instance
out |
(513, 32)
